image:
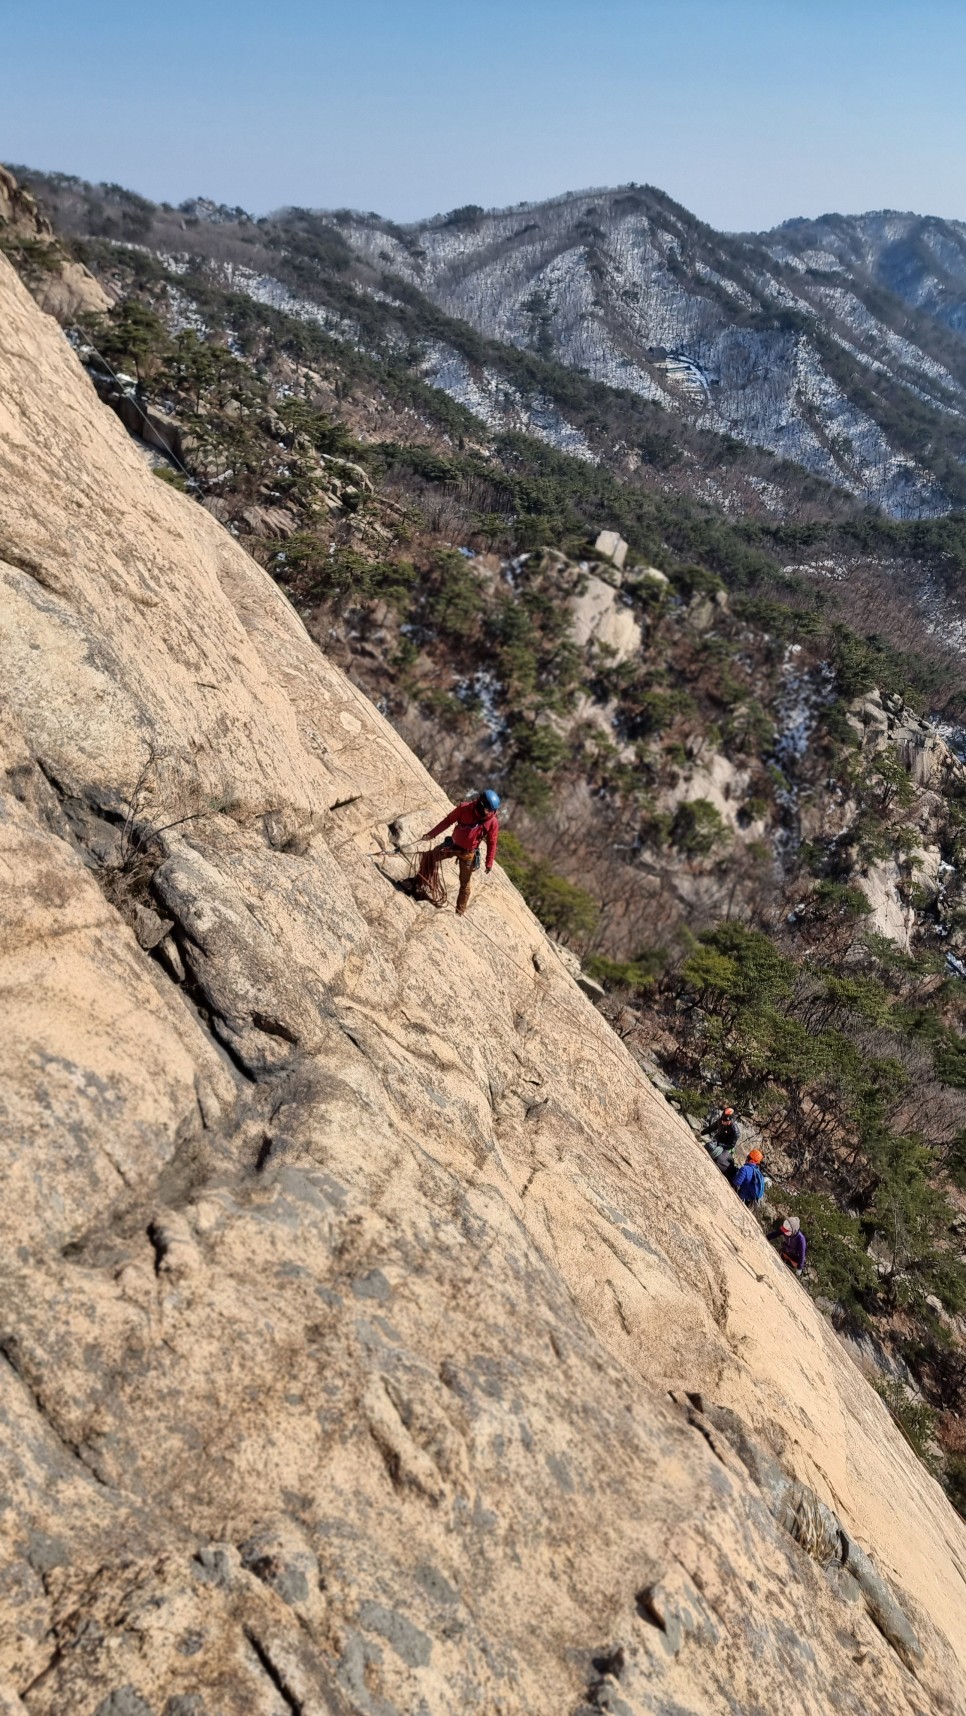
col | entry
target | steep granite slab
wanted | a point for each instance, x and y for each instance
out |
(350, 1263)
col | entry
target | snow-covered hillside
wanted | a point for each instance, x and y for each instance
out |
(919, 258)
(834, 351)
(836, 344)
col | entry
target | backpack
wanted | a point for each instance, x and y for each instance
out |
(756, 1186)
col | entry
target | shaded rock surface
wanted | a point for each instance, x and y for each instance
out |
(349, 1260)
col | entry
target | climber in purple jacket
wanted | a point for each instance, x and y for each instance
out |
(791, 1243)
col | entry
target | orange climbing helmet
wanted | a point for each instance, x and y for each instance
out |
(754, 1156)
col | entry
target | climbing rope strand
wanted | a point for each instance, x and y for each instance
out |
(562, 1007)
(571, 1013)
(479, 1175)
(134, 400)
(412, 846)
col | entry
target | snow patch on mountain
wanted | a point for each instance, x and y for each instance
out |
(265, 289)
(499, 404)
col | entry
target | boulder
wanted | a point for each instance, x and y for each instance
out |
(652, 576)
(611, 546)
(600, 617)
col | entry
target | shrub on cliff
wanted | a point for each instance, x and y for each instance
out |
(636, 975)
(131, 336)
(563, 908)
(698, 828)
(839, 1265)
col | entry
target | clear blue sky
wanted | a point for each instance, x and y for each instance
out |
(746, 111)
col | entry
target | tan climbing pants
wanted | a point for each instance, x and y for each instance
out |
(467, 866)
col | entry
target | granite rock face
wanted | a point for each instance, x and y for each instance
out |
(368, 1323)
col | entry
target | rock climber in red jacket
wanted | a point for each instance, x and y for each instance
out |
(473, 822)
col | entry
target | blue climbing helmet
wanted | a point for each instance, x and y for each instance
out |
(489, 799)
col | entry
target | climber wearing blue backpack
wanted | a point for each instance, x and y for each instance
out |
(749, 1182)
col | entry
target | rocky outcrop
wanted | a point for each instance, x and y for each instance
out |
(599, 618)
(62, 287)
(889, 733)
(18, 209)
(156, 429)
(349, 1260)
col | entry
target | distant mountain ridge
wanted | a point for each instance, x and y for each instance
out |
(919, 258)
(838, 343)
(597, 320)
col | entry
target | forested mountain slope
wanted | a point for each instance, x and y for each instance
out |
(570, 318)
(919, 259)
(325, 290)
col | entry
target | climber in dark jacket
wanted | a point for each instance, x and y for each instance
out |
(474, 822)
(723, 1128)
(749, 1182)
(722, 1132)
(791, 1243)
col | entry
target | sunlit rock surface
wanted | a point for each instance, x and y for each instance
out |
(373, 1337)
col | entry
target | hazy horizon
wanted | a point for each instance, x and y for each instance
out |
(747, 112)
